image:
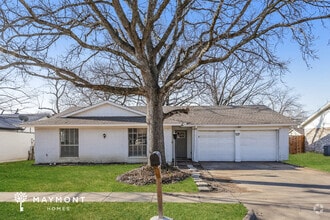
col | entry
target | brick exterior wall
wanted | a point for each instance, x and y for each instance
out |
(316, 138)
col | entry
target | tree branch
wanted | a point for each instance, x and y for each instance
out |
(176, 111)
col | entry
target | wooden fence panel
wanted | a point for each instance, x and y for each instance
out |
(297, 144)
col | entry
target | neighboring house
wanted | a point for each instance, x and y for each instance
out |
(15, 139)
(107, 132)
(296, 131)
(317, 129)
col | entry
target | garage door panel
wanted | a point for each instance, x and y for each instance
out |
(258, 146)
(216, 146)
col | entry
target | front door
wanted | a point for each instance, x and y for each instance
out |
(181, 144)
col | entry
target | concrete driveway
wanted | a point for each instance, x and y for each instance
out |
(276, 190)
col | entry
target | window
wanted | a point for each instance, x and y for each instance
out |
(137, 142)
(69, 142)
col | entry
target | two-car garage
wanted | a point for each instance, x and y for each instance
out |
(249, 145)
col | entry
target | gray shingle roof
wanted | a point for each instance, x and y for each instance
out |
(232, 115)
(6, 124)
(198, 115)
(14, 121)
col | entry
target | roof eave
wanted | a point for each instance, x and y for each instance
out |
(90, 125)
(315, 115)
(165, 124)
(240, 125)
(12, 129)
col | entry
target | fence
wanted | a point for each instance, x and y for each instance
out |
(296, 144)
(14, 146)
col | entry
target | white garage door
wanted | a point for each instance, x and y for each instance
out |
(216, 146)
(258, 146)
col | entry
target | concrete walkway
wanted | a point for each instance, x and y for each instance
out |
(121, 197)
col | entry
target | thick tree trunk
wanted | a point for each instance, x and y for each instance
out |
(155, 118)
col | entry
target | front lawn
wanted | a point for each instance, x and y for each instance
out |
(26, 177)
(119, 211)
(311, 160)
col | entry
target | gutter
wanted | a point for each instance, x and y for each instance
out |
(239, 125)
(165, 125)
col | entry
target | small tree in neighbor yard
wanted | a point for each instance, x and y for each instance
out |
(159, 44)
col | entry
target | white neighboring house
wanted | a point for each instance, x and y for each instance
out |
(317, 129)
(107, 133)
(15, 139)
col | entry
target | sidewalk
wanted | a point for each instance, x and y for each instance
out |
(121, 197)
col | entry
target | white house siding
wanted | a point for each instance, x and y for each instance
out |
(168, 138)
(316, 139)
(93, 147)
(317, 132)
(47, 145)
(283, 144)
(14, 146)
(322, 121)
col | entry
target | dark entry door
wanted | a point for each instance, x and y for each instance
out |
(181, 144)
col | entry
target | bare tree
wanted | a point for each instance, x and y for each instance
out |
(233, 82)
(66, 38)
(56, 90)
(283, 101)
(12, 94)
(62, 94)
(78, 96)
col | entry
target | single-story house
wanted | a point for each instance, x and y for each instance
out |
(317, 129)
(15, 139)
(108, 132)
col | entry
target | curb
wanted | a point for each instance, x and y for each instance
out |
(250, 215)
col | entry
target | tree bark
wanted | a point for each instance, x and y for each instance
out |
(155, 118)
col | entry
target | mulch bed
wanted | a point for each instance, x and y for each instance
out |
(145, 175)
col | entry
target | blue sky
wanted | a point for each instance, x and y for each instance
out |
(311, 83)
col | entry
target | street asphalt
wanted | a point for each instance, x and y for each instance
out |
(276, 190)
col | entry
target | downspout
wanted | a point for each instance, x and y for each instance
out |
(278, 145)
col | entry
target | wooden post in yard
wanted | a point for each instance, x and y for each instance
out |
(159, 192)
(155, 162)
